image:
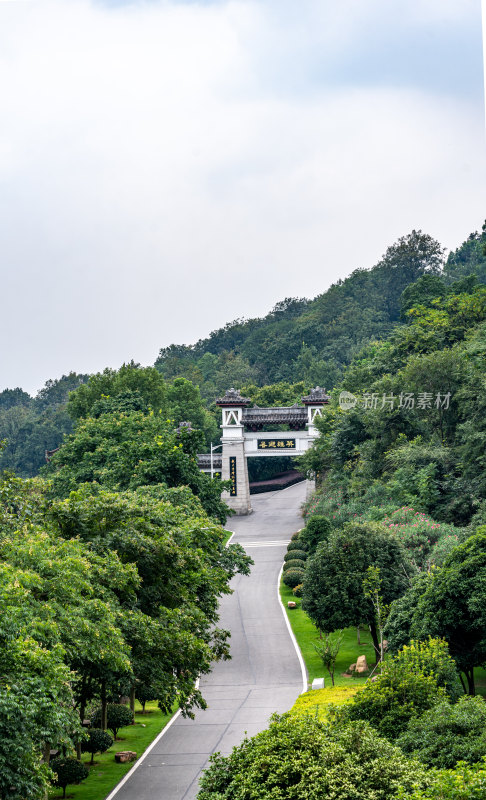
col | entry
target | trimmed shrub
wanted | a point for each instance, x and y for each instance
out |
(293, 577)
(68, 771)
(295, 554)
(118, 716)
(296, 545)
(294, 563)
(448, 733)
(99, 741)
(297, 590)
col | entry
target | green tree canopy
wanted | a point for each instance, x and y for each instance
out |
(333, 593)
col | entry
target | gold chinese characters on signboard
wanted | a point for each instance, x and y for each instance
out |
(232, 471)
(276, 444)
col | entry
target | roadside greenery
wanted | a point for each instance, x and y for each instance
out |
(300, 758)
(103, 594)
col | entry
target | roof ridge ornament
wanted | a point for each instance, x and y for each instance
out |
(233, 398)
(317, 397)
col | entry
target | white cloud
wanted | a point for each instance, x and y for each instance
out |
(156, 184)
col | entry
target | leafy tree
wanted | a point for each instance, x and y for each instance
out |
(184, 567)
(67, 771)
(118, 716)
(35, 701)
(126, 451)
(398, 627)
(14, 397)
(447, 734)
(146, 381)
(328, 650)
(297, 758)
(98, 741)
(333, 585)
(453, 606)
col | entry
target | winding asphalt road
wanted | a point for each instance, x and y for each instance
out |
(264, 674)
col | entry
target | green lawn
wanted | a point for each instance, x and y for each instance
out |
(105, 772)
(306, 634)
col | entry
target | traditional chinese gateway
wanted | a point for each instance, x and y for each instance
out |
(244, 436)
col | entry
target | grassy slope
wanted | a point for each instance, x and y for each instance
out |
(105, 772)
(306, 634)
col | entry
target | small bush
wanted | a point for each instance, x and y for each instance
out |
(448, 733)
(297, 590)
(294, 563)
(118, 716)
(462, 783)
(317, 530)
(293, 577)
(68, 771)
(99, 741)
(296, 545)
(295, 554)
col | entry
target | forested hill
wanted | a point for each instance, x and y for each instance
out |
(299, 344)
(312, 340)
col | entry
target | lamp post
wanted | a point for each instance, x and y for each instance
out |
(213, 448)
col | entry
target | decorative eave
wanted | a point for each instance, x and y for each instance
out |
(283, 415)
(233, 399)
(317, 397)
(204, 460)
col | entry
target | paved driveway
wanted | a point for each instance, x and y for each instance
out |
(264, 674)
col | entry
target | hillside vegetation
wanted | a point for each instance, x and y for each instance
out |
(299, 344)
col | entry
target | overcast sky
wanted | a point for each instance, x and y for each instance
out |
(168, 166)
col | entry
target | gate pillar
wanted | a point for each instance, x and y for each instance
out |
(313, 402)
(234, 463)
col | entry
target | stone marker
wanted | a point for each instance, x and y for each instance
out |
(318, 683)
(125, 755)
(361, 664)
(291, 604)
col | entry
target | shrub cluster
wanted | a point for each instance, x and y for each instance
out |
(295, 554)
(294, 563)
(293, 577)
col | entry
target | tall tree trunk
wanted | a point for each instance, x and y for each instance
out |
(358, 631)
(83, 699)
(470, 682)
(376, 643)
(132, 699)
(104, 710)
